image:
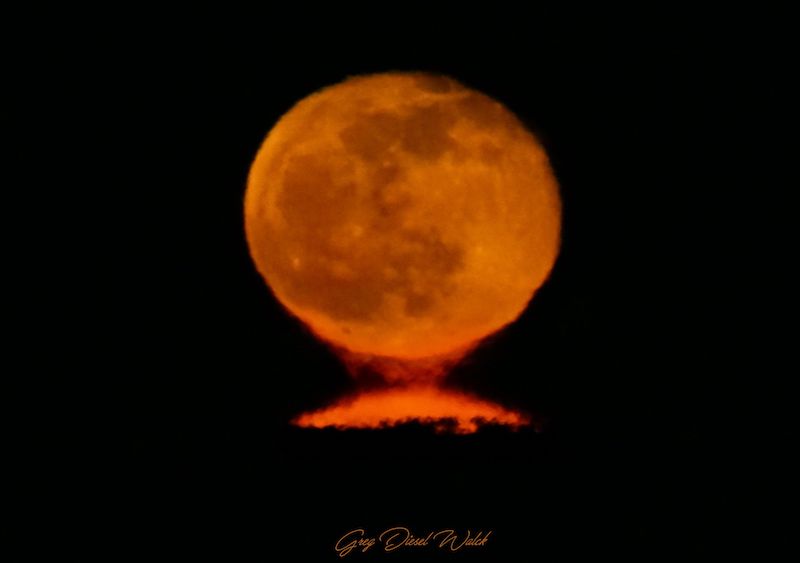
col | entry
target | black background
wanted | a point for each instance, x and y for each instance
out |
(159, 373)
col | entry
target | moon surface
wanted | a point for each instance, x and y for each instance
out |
(402, 214)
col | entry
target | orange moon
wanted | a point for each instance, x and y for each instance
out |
(402, 214)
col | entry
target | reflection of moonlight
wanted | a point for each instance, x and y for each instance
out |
(402, 215)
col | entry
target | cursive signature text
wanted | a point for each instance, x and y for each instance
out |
(399, 537)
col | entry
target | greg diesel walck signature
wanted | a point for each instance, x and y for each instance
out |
(401, 537)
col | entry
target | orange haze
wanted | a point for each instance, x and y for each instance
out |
(403, 371)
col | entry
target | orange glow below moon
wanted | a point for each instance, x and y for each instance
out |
(444, 409)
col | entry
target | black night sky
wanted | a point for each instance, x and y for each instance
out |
(154, 423)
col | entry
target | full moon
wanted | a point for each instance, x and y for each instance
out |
(402, 214)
